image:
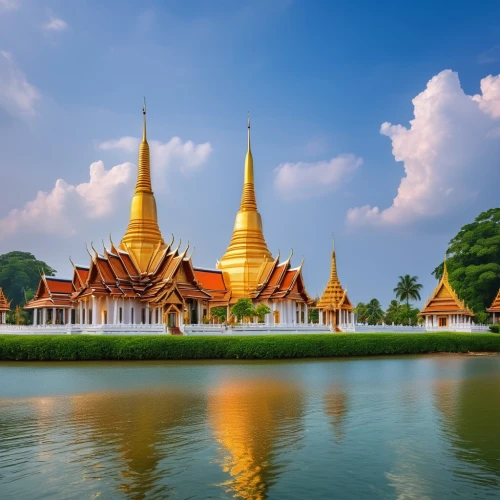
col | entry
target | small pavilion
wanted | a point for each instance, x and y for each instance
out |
(4, 308)
(444, 309)
(494, 309)
(335, 308)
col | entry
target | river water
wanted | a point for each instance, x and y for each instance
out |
(400, 427)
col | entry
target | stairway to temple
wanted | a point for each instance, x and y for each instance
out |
(174, 330)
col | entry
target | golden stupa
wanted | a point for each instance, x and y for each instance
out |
(247, 250)
(143, 238)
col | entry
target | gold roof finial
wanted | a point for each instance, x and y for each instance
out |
(333, 271)
(445, 270)
(248, 201)
(144, 120)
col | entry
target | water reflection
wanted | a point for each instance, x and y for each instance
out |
(142, 429)
(336, 405)
(255, 422)
(470, 410)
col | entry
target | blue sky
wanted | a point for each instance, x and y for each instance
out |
(319, 78)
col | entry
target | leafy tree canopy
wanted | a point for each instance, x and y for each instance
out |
(243, 309)
(20, 275)
(474, 261)
(219, 312)
(408, 289)
(370, 313)
(261, 310)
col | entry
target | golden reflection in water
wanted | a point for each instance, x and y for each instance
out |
(470, 409)
(139, 428)
(253, 420)
(336, 405)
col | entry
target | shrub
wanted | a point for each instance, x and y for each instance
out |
(495, 328)
(89, 347)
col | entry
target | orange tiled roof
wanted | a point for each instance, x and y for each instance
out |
(495, 305)
(52, 292)
(282, 283)
(445, 300)
(4, 303)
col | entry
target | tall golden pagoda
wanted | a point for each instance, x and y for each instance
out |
(247, 250)
(143, 239)
(335, 308)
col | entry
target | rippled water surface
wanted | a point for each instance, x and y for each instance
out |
(408, 427)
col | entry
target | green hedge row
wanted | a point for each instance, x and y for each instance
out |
(87, 347)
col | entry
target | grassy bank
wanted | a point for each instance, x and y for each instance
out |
(72, 348)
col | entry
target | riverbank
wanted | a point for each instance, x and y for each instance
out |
(88, 347)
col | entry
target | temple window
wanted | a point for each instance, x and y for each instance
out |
(120, 315)
(143, 316)
(132, 316)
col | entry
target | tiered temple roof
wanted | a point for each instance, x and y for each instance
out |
(334, 297)
(53, 292)
(114, 273)
(280, 281)
(495, 306)
(444, 300)
(4, 303)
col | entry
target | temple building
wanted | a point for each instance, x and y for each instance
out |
(4, 307)
(142, 280)
(444, 309)
(494, 309)
(52, 304)
(249, 270)
(335, 308)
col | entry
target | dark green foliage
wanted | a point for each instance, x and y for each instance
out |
(474, 261)
(370, 313)
(243, 309)
(20, 274)
(87, 347)
(495, 328)
(401, 314)
(220, 313)
(261, 310)
(408, 289)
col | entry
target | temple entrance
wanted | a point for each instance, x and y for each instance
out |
(172, 320)
(276, 315)
(442, 321)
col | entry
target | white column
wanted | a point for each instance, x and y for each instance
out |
(306, 317)
(35, 317)
(147, 314)
(94, 311)
(44, 316)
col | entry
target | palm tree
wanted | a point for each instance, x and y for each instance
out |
(374, 312)
(393, 312)
(408, 289)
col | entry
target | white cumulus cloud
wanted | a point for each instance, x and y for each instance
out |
(67, 206)
(185, 156)
(56, 24)
(449, 152)
(17, 96)
(304, 180)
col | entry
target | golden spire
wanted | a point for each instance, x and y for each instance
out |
(248, 249)
(248, 201)
(143, 237)
(444, 278)
(333, 270)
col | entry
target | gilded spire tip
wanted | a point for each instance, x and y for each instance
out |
(144, 120)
